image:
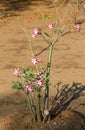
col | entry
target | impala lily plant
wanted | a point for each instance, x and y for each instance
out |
(35, 82)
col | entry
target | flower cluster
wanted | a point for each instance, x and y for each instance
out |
(39, 77)
(32, 80)
(40, 74)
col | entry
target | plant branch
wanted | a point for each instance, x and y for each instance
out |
(55, 40)
(28, 38)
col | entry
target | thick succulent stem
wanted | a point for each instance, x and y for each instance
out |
(38, 110)
(31, 108)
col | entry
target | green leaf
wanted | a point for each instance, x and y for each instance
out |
(50, 17)
(17, 85)
(42, 16)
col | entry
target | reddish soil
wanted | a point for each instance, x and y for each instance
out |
(68, 64)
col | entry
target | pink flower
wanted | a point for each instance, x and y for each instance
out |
(55, 123)
(28, 87)
(46, 112)
(33, 35)
(58, 101)
(50, 25)
(35, 60)
(35, 32)
(39, 82)
(16, 71)
(77, 27)
(38, 59)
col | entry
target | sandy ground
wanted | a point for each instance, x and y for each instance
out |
(68, 58)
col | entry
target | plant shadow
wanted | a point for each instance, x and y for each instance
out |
(65, 96)
(10, 8)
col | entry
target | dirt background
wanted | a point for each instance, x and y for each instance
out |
(68, 58)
